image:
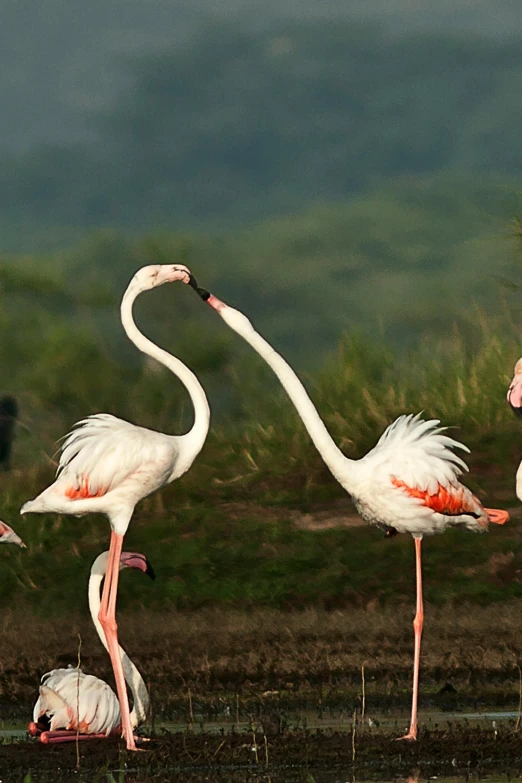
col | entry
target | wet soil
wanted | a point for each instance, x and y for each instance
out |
(295, 680)
(320, 756)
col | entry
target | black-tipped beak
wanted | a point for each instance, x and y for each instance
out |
(150, 571)
(193, 282)
(516, 410)
(202, 292)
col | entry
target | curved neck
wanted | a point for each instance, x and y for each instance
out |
(199, 429)
(340, 466)
(140, 695)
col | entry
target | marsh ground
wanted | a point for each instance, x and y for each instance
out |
(296, 757)
(264, 617)
(271, 695)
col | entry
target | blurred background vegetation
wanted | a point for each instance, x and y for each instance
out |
(235, 124)
(351, 179)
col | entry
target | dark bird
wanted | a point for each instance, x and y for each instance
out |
(8, 416)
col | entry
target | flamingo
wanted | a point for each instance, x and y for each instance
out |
(74, 705)
(408, 483)
(108, 465)
(8, 536)
(514, 397)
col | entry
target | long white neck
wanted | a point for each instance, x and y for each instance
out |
(140, 695)
(341, 467)
(199, 430)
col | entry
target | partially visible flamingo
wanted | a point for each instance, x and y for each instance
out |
(8, 536)
(74, 705)
(514, 397)
(408, 483)
(108, 465)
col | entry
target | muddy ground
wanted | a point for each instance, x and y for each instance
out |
(270, 695)
(307, 756)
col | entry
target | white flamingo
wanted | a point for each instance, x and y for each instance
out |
(8, 536)
(108, 465)
(74, 705)
(514, 397)
(407, 483)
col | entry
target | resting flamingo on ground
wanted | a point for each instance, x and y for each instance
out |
(108, 465)
(74, 705)
(408, 483)
(514, 397)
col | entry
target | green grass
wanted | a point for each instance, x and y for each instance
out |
(205, 558)
(226, 534)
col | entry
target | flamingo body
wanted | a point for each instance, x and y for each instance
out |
(408, 483)
(8, 536)
(107, 465)
(72, 702)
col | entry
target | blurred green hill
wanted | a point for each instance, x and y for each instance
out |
(63, 62)
(239, 124)
(405, 265)
(326, 176)
(404, 260)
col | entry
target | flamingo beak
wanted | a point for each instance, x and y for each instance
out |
(514, 395)
(136, 560)
(202, 292)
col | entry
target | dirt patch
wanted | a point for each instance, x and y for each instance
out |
(335, 514)
(340, 513)
(266, 663)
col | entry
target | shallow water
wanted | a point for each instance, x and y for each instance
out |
(477, 746)
(310, 720)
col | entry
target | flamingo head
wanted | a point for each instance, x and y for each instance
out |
(136, 560)
(514, 395)
(8, 536)
(156, 274)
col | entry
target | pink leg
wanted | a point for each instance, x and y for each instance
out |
(418, 623)
(104, 606)
(64, 735)
(107, 617)
(69, 735)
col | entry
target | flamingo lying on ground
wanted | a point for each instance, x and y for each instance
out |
(514, 397)
(108, 465)
(74, 705)
(408, 483)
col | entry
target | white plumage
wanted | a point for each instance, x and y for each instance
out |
(409, 481)
(106, 462)
(72, 701)
(107, 465)
(8, 536)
